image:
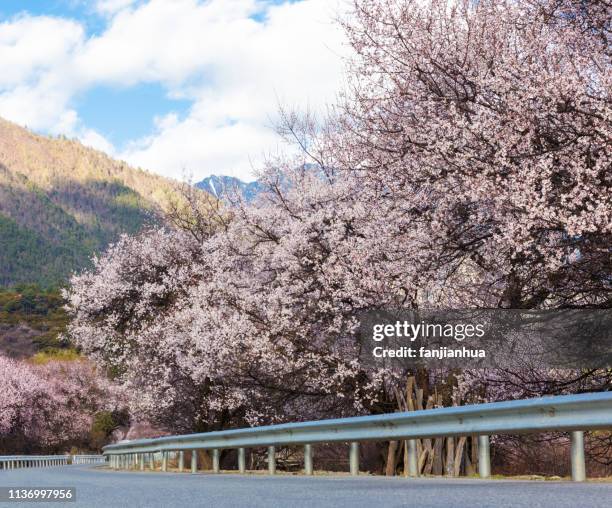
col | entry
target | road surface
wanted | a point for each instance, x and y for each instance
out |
(100, 487)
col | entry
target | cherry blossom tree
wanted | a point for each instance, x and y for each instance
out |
(489, 124)
(50, 406)
(254, 323)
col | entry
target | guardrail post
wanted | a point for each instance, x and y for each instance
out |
(308, 469)
(354, 458)
(181, 461)
(142, 460)
(164, 466)
(578, 467)
(216, 459)
(242, 460)
(271, 460)
(194, 461)
(152, 461)
(484, 457)
(413, 467)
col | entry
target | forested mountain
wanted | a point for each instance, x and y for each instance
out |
(60, 202)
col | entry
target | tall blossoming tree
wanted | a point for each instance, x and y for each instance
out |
(489, 124)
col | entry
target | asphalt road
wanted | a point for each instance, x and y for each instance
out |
(98, 487)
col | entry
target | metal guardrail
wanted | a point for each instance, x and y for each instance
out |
(575, 413)
(88, 459)
(23, 461)
(28, 461)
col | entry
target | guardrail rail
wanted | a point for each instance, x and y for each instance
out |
(24, 461)
(88, 459)
(574, 413)
(28, 461)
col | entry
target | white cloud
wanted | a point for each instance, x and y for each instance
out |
(110, 7)
(192, 147)
(35, 57)
(234, 59)
(32, 46)
(94, 139)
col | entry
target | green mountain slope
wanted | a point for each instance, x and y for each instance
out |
(60, 202)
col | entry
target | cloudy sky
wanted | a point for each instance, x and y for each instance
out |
(180, 87)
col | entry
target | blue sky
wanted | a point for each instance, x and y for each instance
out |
(50, 7)
(82, 10)
(126, 113)
(180, 87)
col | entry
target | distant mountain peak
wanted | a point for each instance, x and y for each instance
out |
(229, 188)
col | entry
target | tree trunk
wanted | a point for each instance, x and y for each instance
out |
(450, 456)
(391, 459)
(437, 467)
(459, 455)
